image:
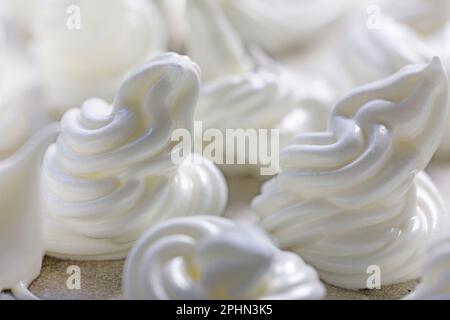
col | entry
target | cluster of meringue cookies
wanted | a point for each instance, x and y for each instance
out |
(86, 117)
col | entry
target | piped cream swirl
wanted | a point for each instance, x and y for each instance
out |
(355, 196)
(110, 175)
(214, 258)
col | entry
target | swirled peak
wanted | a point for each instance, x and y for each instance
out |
(214, 258)
(84, 48)
(279, 25)
(355, 196)
(435, 280)
(110, 174)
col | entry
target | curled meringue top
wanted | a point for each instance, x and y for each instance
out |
(349, 197)
(87, 55)
(278, 25)
(435, 280)
(214, 258)
(110, 175)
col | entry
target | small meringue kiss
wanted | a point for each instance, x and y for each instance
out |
(214, 258)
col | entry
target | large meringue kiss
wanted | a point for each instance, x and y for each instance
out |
(84, 48)
(21, 238)
(280, 25)
(356, 196)
(435, 281)
(110, 175)
(247, 89)
(214, 258)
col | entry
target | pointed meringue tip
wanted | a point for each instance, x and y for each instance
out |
(435, 64)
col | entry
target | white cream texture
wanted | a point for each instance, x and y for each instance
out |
(247, 89)
(355, 195)
(215, 258)
(401, 33)
(435, 281)
(21, 237)
(110, 175)
(114, 36)
(280, 25)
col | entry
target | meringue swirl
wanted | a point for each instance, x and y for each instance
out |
(356, 196)
(110, 174)
(435, 282)
(90, 60)
(214, 258)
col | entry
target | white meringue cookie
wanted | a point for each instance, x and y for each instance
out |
(214, 258)
(356, 196)
(21, 239)
(435, 282)
(114, 36)
(280, 25)
(247, 90)
(110, 175)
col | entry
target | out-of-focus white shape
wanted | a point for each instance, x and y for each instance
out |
(435, 281)
(424, 16)
(356, 196)
(18, 15)
(84, 48)
(280, 25)
(215, 258)
(110, 175)
(21, 239)
(175, 17)
(245, 88)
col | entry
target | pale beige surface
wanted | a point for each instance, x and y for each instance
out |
(102, 280)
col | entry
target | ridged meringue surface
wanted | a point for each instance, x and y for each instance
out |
(214, 258)
(110, 174)
(355, 195)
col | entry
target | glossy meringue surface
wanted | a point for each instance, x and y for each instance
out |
(214, 258)
(355, 196)
(90, 59)
(435, 279)
(110, 174)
